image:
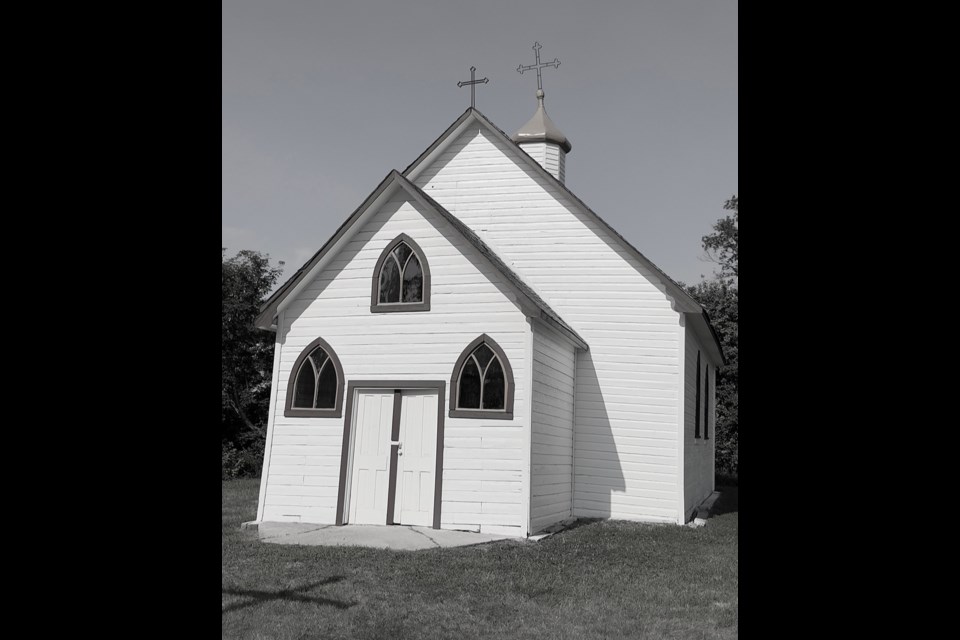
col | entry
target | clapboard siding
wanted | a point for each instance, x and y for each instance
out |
(483, 461)
(627, 383)
(551, 480)
(550, 156)
(697, 452)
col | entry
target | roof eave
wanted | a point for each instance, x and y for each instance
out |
(716, 337)
(527, 139)
(710, 340)
(565, 331)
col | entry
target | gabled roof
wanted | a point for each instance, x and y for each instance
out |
(269, 308)
(684, 301)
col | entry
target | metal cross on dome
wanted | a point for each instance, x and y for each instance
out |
(540, 65)
(473, 86)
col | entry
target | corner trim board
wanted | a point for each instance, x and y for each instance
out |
(682, 422)
(527, 484)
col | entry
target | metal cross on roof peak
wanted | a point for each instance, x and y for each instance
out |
(473, 86)
(540, 65)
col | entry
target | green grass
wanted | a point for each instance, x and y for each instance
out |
(599, 580)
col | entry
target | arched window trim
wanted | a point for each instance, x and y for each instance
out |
(337, 411)
(392, 307)
(507, 412)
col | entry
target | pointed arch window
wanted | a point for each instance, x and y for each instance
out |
(401, 279)
(315, 388)
(482, 382)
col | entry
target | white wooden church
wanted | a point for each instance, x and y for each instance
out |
(476, 349)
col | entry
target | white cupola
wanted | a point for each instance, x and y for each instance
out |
(544, 141)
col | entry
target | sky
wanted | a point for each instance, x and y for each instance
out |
(320, 100)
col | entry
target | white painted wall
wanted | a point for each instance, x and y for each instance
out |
(552, 444)
(483, 459)
(698, 453)
(627, 394)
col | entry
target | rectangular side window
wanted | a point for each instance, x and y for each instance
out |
(696, 432)
(706, 404)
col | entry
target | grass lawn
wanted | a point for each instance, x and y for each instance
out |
(599, 580)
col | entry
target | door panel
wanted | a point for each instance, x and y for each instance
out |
(371, 458)
(416, 464)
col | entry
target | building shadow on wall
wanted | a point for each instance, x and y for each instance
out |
(598, 473)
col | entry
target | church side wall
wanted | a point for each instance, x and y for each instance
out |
(627, 393)
(698, 453)
(484, 464)
(552, 446)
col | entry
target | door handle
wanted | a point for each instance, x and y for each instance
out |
(399, 446)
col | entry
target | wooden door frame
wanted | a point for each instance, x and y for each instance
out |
(398, 387)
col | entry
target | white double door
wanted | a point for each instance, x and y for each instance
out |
(394, 457)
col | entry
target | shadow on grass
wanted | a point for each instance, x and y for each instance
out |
(288, 595)
(728, 502)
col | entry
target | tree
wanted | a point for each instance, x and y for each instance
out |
(720, 298)
(723, 245)
(246, 353)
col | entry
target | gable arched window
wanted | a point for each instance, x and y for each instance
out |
(482, 382)
(315, 388)
(401, 279)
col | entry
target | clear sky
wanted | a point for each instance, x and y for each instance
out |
(321, 99)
